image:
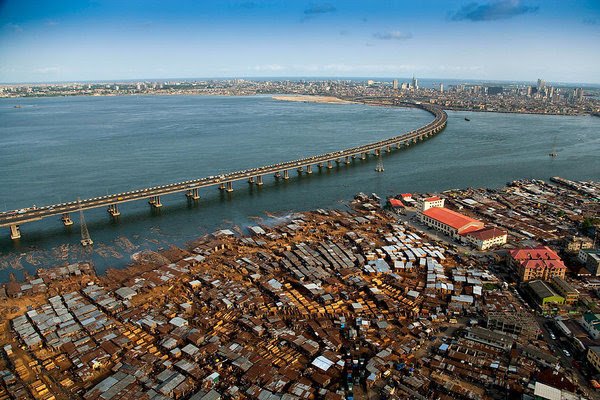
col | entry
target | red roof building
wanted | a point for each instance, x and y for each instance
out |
(450, 222)
(537, 263)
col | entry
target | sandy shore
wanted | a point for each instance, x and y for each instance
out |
(313, 99)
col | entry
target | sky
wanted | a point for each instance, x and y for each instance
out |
(87, 40)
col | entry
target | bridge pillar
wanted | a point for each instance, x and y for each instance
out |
(320, 165)
(222, 186)
(377, 152)
(354, 156)
(398, 145)
(155, 202)
(300, 170)
(259, 180)
(66, 219)
(15, 232)
(229, 187)
(113, 210)
(251, 180)
(347, 161)
(338, 161)
(277, 175)
(286, 174)
(389, 149)
(329, 164)
(363, 156)
(309, 169)
(192, 194)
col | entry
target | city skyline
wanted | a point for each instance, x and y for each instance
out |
(491, 40)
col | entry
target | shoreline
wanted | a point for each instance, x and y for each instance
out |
(302, 98)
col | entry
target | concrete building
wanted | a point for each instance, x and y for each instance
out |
(576, 243)
(431, 202)
(591, 323)
(543, 294)
(450, 222)
(536, 263)
(591, 259)
(486, 238)
(593, 357)
(563, 288)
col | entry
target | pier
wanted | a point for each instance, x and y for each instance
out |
(14, 219)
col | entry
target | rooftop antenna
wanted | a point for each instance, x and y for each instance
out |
(86, 240)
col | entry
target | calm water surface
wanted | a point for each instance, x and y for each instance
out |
(57, 149)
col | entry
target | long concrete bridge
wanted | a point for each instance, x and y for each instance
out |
(13, 219)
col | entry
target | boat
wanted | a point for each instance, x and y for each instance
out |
(18, 106)
(553, 153)
(467, 119)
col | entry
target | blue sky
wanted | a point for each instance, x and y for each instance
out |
(59, 40)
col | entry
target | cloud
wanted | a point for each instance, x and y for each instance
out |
(316, 9)
(393, 35)
(503, 9)
(47, 70)
(268, 68)
(13, 27)
(590, 21)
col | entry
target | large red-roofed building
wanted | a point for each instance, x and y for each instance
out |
(450, 222)
(537, 263)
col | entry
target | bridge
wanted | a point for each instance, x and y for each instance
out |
(13, 219)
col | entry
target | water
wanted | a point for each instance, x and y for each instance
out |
(57, 149)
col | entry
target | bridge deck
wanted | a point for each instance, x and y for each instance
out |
(17, 217)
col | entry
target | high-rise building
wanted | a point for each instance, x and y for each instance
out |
(541, 84)
(395, 84)
(441, 88)
(415, 83)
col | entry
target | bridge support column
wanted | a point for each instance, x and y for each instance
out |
(377, 152)
(15, 232)
(286, 174)
(251, 180)
(320, 165)
(347, 160)
(113, 210)
(398, 145)
(259, 180)
(222, 186)
(329, 164)
(338, 161)
(354, 156)
(277, 175)
(155, 202)
(389, 149)
(363, 156)
(300, 170)
(192, 194)
(66, 219)
(229, 187)
(309, 169)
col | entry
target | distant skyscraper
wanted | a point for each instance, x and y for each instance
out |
(370, 82)
(395, 84)
(529, 90)
(441, 88)
(541, 84)
(415, 83)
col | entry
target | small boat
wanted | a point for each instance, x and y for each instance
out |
(467, 119)
(553, 153)
(18, 106)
